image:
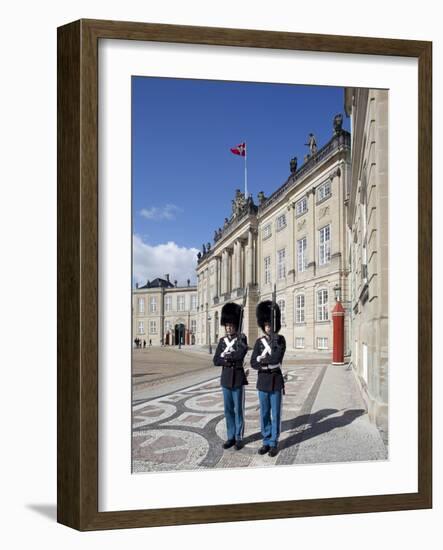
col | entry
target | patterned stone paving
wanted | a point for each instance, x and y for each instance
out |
(185, 430)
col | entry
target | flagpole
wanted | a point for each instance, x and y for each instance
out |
(246, 172)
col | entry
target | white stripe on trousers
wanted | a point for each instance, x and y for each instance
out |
(243, 411)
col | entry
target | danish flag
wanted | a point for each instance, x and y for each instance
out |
(239, 149)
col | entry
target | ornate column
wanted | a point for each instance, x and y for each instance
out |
(217, 275)
(292, 241)
(236, 264)
(241, 277)
(229, 252)
(224, 270)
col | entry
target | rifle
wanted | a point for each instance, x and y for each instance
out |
(240, 324)
(273, 316)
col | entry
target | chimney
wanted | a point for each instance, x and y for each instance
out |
(189, 282)
(167, 277)
(175, 282)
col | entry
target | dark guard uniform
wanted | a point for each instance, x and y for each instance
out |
(267, 358)
(229, 355)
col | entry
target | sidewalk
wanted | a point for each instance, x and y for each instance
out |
(346, 434)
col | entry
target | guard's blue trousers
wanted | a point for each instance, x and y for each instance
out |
(234, 400)
(270, 416)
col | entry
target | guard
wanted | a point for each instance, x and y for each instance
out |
(267, 358)
(229, 355)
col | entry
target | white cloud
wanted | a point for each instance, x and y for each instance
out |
(151, 261)
(166, 212)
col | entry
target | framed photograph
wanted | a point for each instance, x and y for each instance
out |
(244, 275)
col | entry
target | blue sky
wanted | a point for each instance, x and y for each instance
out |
(184, 175)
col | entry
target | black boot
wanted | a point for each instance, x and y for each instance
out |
(273, 451)
(229, 443)
(238, 445)
(264, 449)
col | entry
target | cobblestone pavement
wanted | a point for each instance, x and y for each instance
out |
(184, 429)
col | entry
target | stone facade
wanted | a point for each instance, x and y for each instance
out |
(367, 229)
(295, 239)
(164, 313)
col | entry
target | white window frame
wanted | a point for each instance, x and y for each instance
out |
(299, 342)
(281, 263)
(141, 327)
(193, 302)
(300, 309)
(302, 260)
(301, 206)
(168, 303)
(267, 231)
(152, 304)
(322, 304)
(193, 326)
(181, 303)
(168, 326)
(324, 340)
(324, 190)
(282, 305)
(280, 222)
(152, 327)
(267, 269)
(324, 245)
(141, 305)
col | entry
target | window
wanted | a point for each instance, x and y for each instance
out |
(322, 305)
(302, 260)
(141, 305)
(267, 269)
(282, 306)
(180, 303)
(300, 308)
(324, 190)
(301, 206)
(267, 231)
(193, 301)
(153, 327)
(281, 263)
(281, 222)
(152, 304)
(324, 244)
(193, 326)
(168, 303)
(299, 342)
(322, 343)
(167, 326)
(141, 327)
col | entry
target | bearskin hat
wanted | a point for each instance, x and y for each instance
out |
(263, 313)
(230, 313)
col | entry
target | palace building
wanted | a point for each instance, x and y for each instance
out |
(295, 239)
(165, 313)
(367, 227)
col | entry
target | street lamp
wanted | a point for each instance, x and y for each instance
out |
(180, 336)
(337, 289)
(209, 333)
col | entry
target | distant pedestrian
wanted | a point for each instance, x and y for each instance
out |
(150, 342)
(144, 343)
